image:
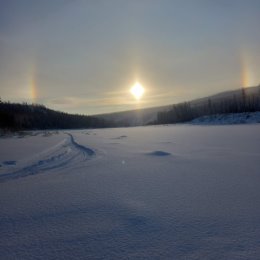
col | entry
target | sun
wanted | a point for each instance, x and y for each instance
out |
(137, 90)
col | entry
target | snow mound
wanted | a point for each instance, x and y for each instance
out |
(120, 137)
(9, 162)
(159, 153)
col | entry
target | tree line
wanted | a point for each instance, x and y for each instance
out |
(15, 116)
(188, 111)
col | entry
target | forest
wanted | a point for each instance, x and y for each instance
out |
(187, 111)
(15, 116)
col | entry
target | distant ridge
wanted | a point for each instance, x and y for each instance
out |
(15, 116)
(146, 116)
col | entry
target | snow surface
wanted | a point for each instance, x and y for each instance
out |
(228, 119)
(157, 192)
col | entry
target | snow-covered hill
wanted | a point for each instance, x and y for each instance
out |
(148, 115)
(228, 119)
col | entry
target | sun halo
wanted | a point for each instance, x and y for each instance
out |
(137, 90)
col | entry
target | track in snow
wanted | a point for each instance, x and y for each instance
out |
(67, 154)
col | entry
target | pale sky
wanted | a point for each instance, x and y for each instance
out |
(83, 56)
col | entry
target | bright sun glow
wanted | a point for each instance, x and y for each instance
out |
(137, 90)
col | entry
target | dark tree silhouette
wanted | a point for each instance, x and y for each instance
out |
(14, 116)
(185, 112)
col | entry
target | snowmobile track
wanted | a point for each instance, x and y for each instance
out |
(66, 154)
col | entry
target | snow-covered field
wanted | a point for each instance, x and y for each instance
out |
(157, 192)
